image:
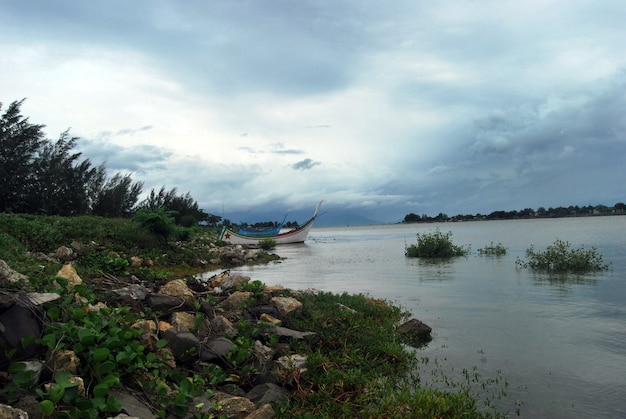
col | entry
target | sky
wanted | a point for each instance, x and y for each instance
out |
(381, 109)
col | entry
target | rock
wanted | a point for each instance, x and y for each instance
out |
(260, 310)
(233, 406)
(79, 248)
(182, 320)
(30, 405)
(419, 331)
(136, 261)
(64, 254)
(63, 360)
(269, 319)
(35, 366)
(148, 337)
(135, 291)
(215, 348)
(264, 412)
(181, 343)
(235, 300)
(77, 382)
(167, 304)
(38, 298)
(263, 354)
(8, 412)
(178, 289)
(207, 309)
(131, 405)
(291, 362)
(267, 393)
(290, 333)
(69, 273)
(345, 308)
(221, 326)
(16, 323)
(290, 366)
(9, 275)
(272, 291)
(231, 281)
(287, 306)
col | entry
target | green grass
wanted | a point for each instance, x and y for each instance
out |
(362, 368)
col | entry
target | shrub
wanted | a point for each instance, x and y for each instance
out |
(435, 245)
(493, 250)
(560, 257)
(267, 244)
(159, 222)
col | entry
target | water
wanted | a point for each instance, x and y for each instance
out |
(559, 343)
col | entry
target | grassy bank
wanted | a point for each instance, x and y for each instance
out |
(359, 366)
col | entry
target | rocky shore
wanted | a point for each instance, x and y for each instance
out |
(183, 324)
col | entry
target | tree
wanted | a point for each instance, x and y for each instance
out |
(118, 197)
(19, 142)
(184, 207)
(411, 218)
(61, 184)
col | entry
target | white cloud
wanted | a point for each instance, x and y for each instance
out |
(419, 107)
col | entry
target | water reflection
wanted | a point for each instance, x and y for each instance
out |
(434, 269)
(563, 281)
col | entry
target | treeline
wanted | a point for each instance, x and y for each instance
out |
(526, 213)
(41, 176)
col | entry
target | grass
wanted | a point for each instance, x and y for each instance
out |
(353, 372)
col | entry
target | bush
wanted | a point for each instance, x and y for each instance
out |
(267, 244)
(435, 245)
(559, 257)
(493, 250)
(159, 222)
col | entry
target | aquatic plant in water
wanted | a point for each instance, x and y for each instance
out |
(559, 257)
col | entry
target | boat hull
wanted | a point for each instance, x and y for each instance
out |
(297, 235)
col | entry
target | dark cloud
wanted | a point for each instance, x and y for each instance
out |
(305, 164)
(135, 158)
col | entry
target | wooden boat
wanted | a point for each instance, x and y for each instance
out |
(295, 235)
(264, 231)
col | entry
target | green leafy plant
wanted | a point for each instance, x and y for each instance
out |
(560, 257)
(493, 250)
(159, 222)
(267, 244)
(435, 245)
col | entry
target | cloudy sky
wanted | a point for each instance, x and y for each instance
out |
(379, 108)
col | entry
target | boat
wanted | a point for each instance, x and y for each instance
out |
(279, 236)
(263, 231)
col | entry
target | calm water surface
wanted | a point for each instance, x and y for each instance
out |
(558, 344)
